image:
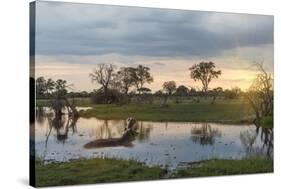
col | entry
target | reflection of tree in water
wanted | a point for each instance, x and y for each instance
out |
(267, 138)
(125, 140)
(144, 131)
(103, 130)
(40, 114)
(62, 125)
(129, 131)
(204, 135)
(248, 139)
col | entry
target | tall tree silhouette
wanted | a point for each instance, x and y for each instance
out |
(204, 72)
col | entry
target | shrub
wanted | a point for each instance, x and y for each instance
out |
(113, 96)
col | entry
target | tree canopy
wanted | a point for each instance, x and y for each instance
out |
(204, 72)
(141, 75)
(169, 87)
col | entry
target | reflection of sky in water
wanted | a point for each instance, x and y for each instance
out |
(157, 142)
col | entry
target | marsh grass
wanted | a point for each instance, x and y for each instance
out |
(97, 170)
(105, 170)
(221, 112)
(219, 167)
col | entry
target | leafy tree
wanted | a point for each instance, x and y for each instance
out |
(158, 93)
(103, 75)
(145, 90)
(113, 96)
(216, 92)
(140, 76)
(232, 93)
(59, 99)
(204, 72)
(124, 80)
(182, 90)
(50, 85)
(192, 90)
(41, 87)
(61, 87)
(169, 87)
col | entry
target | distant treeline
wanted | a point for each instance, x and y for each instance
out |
(128, 84)
(45, 88)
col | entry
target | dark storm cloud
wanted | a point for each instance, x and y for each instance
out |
(85, 29)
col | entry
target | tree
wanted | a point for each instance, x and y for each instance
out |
(145, 90)
(158, 93)
(59, 99)
(60, 86)
(204, 72)
(41, 86)
(182, 90)
(216, 92)
(124, 80)
(169, 87)
(140, 76)
(103, 75)
(232, 93)
(50, 85)
(260, 93)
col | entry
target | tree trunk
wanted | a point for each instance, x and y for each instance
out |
(73, 109)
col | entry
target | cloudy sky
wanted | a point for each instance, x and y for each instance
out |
(71, 39)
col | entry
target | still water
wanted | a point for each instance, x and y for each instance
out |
(168, 144)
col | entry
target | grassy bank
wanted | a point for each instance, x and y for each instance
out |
(94, 171)
(79, 102)
(112, 170)
(227, 167)
(221, 112)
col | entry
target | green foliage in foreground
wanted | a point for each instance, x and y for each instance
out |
(94, 171)
(266, 122)
(221, 112)
(112, 170)
(227, 167)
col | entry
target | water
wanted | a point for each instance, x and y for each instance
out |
(168, 144)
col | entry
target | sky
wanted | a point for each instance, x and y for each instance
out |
(72, 39)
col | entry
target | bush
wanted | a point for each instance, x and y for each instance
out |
(113, 96)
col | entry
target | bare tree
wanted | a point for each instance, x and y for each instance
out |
(260, 93)
(103, 75)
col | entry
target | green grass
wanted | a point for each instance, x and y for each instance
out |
(79, 101)
(227, 167)
(221, 112)
(99, 170)
(266, 122)
(94, 171)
